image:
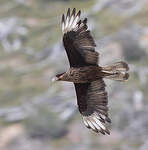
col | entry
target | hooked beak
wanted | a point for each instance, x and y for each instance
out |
(54, 79)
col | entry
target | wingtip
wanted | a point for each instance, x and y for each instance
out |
(69, 22)
(73, 12)
(63, 19)
(68, 12)
(108, 119)
(107, 131)
(63, 23)
(79, 13)
(85, 21)
(102, 131)
(93, 122)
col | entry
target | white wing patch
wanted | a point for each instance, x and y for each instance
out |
(71, 22)
(94, 122)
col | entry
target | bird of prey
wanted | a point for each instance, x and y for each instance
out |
(86, 74)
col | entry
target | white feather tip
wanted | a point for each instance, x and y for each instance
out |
(95, 124)
(71, 21)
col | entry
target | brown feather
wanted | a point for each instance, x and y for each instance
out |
(78, 41)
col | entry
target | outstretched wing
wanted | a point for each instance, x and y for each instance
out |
(92, 102)
(77, 40)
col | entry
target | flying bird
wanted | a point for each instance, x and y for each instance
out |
(86, 74)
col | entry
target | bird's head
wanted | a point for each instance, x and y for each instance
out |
(58, 77)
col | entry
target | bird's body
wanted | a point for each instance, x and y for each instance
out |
(86, 74)
(82, 74)
(91, 73)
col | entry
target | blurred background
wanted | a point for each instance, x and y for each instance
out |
(37, 114)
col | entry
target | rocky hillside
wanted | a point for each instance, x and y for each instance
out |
(35, 113)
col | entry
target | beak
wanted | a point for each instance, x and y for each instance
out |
(54, 79)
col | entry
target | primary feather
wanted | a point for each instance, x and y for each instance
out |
(71, 21)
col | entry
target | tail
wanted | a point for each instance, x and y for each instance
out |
(116, 71)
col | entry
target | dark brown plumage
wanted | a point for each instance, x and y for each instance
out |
(86, 74)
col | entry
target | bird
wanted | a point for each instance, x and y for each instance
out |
(86, 74)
